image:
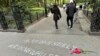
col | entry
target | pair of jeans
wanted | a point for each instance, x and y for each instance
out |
(56, 24)
(71, 20)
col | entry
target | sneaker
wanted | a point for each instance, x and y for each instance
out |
(56, 27)
(68, 27)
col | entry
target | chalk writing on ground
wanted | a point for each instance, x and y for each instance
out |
(50, 43)
(30, 50)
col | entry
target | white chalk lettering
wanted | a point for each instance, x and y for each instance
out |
(44, 54)
(51, 55)
(30, 51)
(50, 43)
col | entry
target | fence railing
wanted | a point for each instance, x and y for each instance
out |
(8, 21)
(88, 14)
(94, 18)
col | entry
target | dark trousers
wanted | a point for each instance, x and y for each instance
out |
(56, 24)
(71, 20)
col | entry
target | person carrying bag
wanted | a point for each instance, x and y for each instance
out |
(56, 15)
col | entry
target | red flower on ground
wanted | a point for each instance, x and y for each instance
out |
(76, 51)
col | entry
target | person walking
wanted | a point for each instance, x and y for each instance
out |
(71, 9)
(56, 15)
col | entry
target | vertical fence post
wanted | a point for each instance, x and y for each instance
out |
(3, 21)
(30, 17)
(37, 15)
(45, 7)
(18, 17)
(43, 13)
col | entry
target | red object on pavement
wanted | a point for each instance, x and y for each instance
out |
(76, 51)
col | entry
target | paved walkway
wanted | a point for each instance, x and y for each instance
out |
(42, 39)
(84, 22)
(46, 26)
(14, 44)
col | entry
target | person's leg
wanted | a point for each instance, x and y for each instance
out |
(56, 24)
(68, 21)
(71, 19)
(75, 17)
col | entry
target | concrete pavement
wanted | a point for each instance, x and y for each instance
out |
(42, 39)
(84, 22)
(46, 26)
(47, 44)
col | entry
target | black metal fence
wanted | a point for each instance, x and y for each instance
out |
(3, 21)
(88, 14)
(94, 17)
(17, 19)
(95, 20)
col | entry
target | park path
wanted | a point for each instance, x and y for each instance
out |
(42, 39)
(46, 26)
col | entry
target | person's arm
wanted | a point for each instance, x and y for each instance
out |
(51, 9)
(67, 10)
(75, 9)
(59, 12)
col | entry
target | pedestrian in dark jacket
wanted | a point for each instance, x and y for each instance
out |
(71, 9)
(56, 15)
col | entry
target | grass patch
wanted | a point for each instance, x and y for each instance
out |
(37, 9)
(89, 8)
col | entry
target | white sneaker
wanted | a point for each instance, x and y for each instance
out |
(68, 27)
